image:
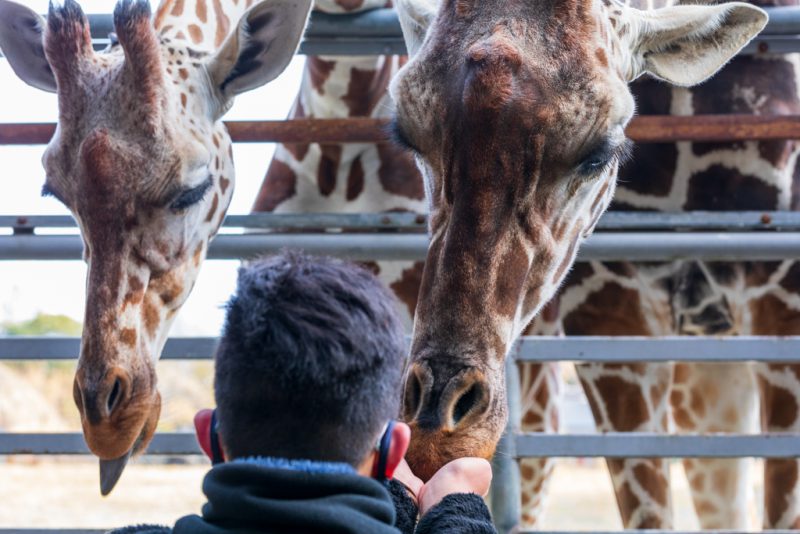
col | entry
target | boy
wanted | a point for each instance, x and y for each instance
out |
(308, 377)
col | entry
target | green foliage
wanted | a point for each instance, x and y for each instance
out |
(43, 324)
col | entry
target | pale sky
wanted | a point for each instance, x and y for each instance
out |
(27, 288)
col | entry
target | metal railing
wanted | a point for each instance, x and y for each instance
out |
(378, 32)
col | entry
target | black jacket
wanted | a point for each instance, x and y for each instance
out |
(244, 497)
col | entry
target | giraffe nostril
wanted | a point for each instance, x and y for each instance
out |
(113, 397)
(413, 396)
(466, 403)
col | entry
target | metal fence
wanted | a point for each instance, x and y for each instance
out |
(620, 236)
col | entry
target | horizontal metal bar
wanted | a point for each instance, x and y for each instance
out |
(68, 348)
(638, 445)
(643, 129)
(164, 443)
(528, 349)
(614, 220)
(614, 349)
(604, 246)
(617, 445)
(70, 531)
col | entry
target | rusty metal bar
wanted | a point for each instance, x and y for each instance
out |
(645, 129)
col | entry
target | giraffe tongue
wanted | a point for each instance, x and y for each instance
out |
(110, 471)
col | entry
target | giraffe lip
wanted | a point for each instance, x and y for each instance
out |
(111, 471)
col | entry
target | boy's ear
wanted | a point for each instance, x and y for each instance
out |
(260, 47)
(401, 437)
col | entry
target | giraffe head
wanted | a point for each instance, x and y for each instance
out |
(143, 162)
(516, 111)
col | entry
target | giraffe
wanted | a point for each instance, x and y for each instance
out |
(516, 117)
(701, 298)
(354, 178)
(142, 160)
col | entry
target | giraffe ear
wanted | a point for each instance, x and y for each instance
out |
(260, 47)
(21, 40)
(416, 16)
(686, 44)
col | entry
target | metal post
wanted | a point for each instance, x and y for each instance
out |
(505, 496)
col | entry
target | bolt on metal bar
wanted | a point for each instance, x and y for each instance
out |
(527, 349)
(613, 220)
(640, 445)
(643, 129)
(604, 246)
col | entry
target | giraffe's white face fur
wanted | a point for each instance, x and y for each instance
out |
(142, 160)
(516, 112)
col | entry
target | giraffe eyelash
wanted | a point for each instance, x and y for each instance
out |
(192, 196)
(603, 157)
(399, 137)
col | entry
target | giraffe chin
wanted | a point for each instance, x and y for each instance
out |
(112, 467)
(429, 451)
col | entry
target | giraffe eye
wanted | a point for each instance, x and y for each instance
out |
(603, 156)
(190, 197)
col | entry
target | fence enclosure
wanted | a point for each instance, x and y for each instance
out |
(619, 236)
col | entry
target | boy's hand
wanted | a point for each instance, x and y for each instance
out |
(464, 475)
(412, 483)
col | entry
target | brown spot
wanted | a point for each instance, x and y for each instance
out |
(328, 168)
(568, 259)
(594, 317)
(278, 187)
(151, 316)
(780, 478)
(223, 23)
(319, 71)
(511, 274)
(198, 254)
(696, 403)
(398, 173)
(366, 89)
(682, 373)
(791, 282)
(177, 9)
(202, 10)
(698, 482)
(651, 478)
(600, 54)
(705, 508)
(627, 501)
(526, 470)
(128, 337)
(530, 420)
(721, 481)
(407, 287)
(772, 317)
(624, 402)
(723, 188)
(135, 292)
(183, 99)
(213, 210)
(224, 183)
(779, 409)
(183, 73)
(195, 33)
(355, 180)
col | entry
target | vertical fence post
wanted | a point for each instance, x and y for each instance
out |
(505, 497)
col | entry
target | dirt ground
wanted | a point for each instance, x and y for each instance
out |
(64, 493)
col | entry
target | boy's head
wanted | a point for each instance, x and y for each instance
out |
(310, 362)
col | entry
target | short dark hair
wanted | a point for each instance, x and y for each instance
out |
(310, 362)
